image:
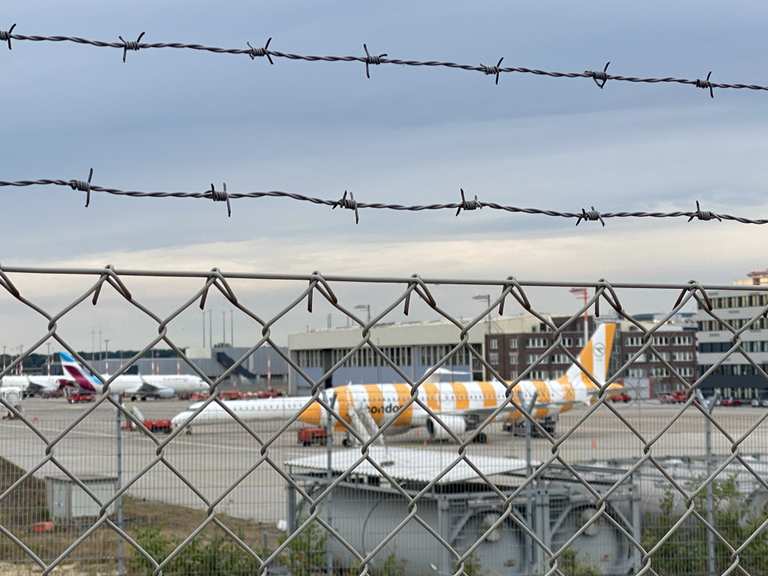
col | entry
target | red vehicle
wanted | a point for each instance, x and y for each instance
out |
(78, 398)
(233, 395)
(198, 396)
(153, 425)
(620, 397)
(269, 393)
(677, 397)
(158, 425)
(309, 436)
(730, 402)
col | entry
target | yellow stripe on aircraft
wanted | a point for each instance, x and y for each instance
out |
(460, 395)
(403, 395)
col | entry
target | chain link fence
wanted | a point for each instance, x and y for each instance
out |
(407, 480)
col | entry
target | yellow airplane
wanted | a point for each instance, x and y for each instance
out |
(461, 406)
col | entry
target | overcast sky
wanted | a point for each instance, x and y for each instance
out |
(179, 120)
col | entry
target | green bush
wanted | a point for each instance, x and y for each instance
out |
(685, 551)
(570, 566)
(209, 557)
(305, 554)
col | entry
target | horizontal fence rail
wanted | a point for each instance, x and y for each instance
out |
(599, 77)
(576, 502)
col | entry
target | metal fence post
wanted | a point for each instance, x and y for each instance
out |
(709, 406)
(530, 491)
(119, 483)
(329, 498)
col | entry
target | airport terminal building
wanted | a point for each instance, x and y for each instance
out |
(736, 377)
(413, 346)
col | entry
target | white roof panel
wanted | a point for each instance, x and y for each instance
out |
(409, 464)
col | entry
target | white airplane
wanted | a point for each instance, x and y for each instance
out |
(36, 385)
(461, 406)
(135, 386)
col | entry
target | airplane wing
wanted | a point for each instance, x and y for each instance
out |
(147, 389)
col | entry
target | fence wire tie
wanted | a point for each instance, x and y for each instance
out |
(705, 84)
(468, 204)
(421, 288)
(591, 215)
(221, 196)
(321, 285)
(260, 52)
(371, 61)
(513, 288)
(83, 187)
(111, 278)
(493, 70)
(135, 45)
(599, 78)
(349, 203)
(703, 214)
(6, 283)
(6, 35)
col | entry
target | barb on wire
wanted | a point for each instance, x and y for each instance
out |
(493, 70)
(348, 202)
(260, 52)
(6, 35)
(468, 204)
(590, 215)
(83, 187)
(371, 60)
(135, 46)
(221, 196)
(600, 78)
(703, 215)
(704, 84)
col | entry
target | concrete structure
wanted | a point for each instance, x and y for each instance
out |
(512, 353)
(68, 502)
(736, 377)
(413, 346)
(461, 507)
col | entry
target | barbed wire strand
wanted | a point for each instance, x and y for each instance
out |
(600, 77)
(348, 201)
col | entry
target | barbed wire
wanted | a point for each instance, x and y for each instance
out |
(599, 77)
(348, 202)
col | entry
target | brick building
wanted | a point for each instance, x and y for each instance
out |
(511, 353)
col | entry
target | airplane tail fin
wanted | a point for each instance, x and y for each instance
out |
(72, 368)
(595, 358)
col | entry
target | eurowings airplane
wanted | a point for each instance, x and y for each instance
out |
(461, 406)
(36, 385)
(135, 386)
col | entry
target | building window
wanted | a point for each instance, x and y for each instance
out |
(493, 358)
(494, 343)
(513, 358)
(636, 373)
(513, 342)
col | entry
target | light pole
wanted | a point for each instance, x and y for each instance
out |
(367, 308)
(106, 355)
(4, 357)
(487, 299)
(583, 293)
(48, 359)
(21, 360)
